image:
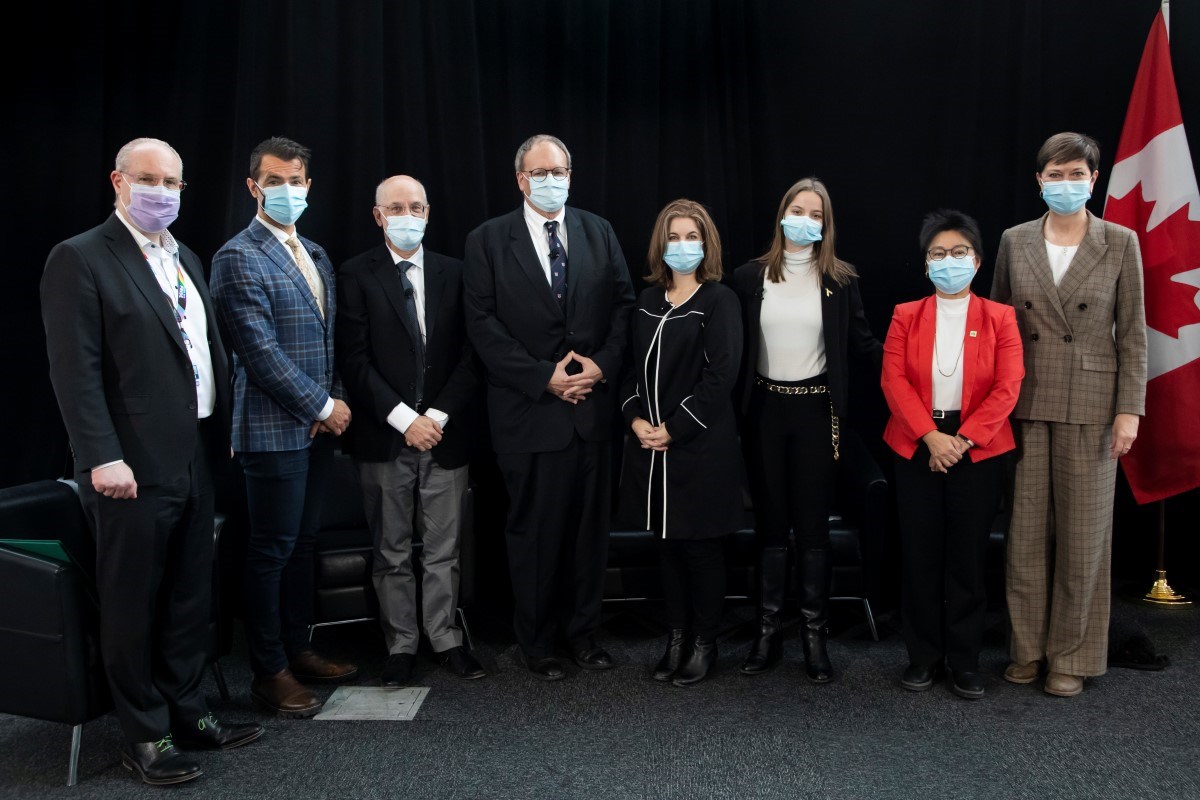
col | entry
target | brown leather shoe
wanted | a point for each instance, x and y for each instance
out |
(311, 667)
(284, 695)
(1022, 673)
(1061, 684)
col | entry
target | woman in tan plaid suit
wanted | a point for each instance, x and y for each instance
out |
(1076, 284)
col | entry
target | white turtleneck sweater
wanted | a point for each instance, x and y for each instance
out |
(791, 336)
(950, 341)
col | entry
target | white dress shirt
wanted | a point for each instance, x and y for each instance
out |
(403, 414)
(195, 322)
(537, 232)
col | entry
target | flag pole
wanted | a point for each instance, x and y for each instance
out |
(1161, 592)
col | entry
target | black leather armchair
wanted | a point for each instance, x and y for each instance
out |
(857, 526)
(49, 614)
(49, 618)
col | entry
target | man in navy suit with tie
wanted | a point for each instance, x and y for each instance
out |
(142, 380)
(548, 300)
(276, 301)
(403, 353)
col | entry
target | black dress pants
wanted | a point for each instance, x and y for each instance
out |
(789, 449)
(154, 561)
(557, 536)
(945, 521)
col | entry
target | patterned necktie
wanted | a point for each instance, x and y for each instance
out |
(308, 271)
(558, 265)
(414, 327)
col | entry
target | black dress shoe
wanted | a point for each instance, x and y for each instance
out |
(967, 685)
(461, 663)
(919, 677)
(547, 669)
(211, 734)
(397, 670)
(159, 763)
(589, 655)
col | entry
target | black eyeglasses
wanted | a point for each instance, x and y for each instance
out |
(938, 253)
(540, 175)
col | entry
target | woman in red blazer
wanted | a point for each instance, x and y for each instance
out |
(952, 370)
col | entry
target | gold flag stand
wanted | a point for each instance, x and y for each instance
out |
(1161, 592)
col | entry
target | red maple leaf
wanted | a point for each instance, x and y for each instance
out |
(1173, 247)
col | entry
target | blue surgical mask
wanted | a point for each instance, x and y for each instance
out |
(405, 232)
(684, 257)
(1066, 197)
(550, 194)
(801, 230)
(284, 203)
(951, 274)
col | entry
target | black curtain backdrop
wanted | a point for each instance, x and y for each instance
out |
(899, 107)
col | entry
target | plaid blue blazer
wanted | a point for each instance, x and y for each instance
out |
(283, 371)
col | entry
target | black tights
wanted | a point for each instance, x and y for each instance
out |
(693, 576)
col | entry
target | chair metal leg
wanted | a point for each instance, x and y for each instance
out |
(870, 618)
(73, 767)
(462, 621)
(219, 676)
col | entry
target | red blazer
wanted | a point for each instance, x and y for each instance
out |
(993, 367)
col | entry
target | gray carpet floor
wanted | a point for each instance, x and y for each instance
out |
(619, 734)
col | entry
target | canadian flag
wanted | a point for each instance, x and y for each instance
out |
(1153, 191)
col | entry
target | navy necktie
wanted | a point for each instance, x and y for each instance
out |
(558, 265)
(414, 328)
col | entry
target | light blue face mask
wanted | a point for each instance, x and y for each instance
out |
(684, 257)
(284, 203)
(951, 274)
(549, 194)
(405, 231)
(1066, 197)
(801, 230)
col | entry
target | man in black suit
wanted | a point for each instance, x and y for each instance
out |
(142, 381)
(548, 301)
(404, 358)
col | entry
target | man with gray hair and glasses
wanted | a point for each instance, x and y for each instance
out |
(142, 381)
(548, 300)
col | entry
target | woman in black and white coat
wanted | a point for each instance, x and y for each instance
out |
(682, 467)
(803, 317)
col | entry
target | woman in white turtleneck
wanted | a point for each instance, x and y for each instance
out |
(803, 316)
(952, 369)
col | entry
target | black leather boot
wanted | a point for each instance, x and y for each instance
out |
(767, 649)
(700, 660)
(669, 663)
(816, 572)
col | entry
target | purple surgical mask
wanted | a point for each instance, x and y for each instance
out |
(152, 208)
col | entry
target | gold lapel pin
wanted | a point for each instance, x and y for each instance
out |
(829, 292)
(973, 334)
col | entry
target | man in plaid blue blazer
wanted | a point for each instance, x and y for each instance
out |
(275, 300)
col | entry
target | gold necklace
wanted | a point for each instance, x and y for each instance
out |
(937, 362)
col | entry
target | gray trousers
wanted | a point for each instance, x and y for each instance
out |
(413, 491)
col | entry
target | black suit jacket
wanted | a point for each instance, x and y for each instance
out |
(520, 332)
(118, 363)
(843, 323)
(377, 358)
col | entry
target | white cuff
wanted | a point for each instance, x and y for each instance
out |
(401, 417)
(109, 464)
(326, 411)
(440, 417)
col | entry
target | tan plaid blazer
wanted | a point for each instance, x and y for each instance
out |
(1079, 369)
